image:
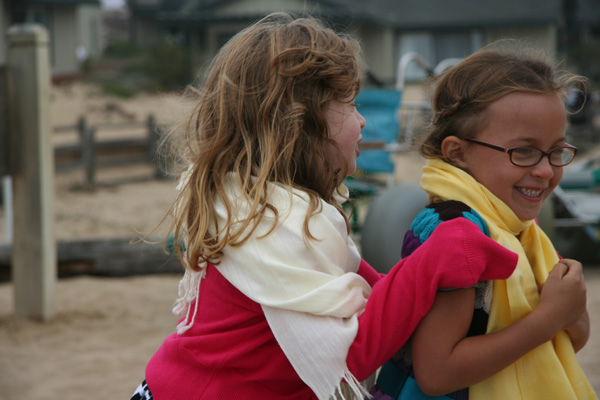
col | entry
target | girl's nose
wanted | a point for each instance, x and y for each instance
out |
(362, 120)
(544, 169)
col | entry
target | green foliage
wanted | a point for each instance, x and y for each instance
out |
(125, 70)
(168, 65)
(116, 88)
(121, 49)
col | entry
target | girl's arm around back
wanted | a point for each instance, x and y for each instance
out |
(457, 254)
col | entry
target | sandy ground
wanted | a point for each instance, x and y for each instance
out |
(106, 329)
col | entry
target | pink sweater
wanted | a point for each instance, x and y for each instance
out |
(230, 352)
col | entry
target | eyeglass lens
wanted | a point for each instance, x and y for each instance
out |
(527, 156)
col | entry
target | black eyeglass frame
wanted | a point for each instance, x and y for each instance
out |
(510, 150)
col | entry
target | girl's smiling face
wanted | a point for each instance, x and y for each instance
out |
(345, 124)
(518, 119)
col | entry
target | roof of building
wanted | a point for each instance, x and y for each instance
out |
(415, 14)
(60, 2)
(588, 11)
(402, 14)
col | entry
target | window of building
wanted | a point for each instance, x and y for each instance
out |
(434, 47)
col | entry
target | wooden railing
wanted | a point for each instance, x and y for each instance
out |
(90, 152)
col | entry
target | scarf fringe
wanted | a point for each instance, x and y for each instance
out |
(189, 288)
(355, 389)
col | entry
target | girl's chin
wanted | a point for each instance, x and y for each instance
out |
(529, 214)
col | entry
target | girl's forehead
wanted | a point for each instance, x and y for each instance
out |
(526, 117)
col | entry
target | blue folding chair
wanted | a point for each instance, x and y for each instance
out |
(380, 108)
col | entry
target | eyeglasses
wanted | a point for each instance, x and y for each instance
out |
(529, 156)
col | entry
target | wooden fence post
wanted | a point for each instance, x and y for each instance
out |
(88, 155)
(32, 169)
(4, 143)
(81, 126)
(4, 156)
(153, 146)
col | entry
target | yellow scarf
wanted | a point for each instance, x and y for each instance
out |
(550, 371)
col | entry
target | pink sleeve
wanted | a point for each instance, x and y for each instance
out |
(369, 273)
(457, 254)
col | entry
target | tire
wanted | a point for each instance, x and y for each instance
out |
(390, 214)
(575, 243)
(546, 218)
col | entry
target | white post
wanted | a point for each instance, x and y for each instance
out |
(32, 169)
(8, 208)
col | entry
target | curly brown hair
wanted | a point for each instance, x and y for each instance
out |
(260, 115)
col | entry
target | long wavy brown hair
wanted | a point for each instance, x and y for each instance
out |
(260, 115)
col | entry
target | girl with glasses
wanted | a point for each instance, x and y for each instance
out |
(496, 149)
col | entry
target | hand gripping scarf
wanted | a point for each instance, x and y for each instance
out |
(550, 371)
(310, 292)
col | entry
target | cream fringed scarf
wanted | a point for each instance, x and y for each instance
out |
(551, 370)
(311, 295)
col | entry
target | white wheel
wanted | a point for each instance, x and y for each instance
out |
(390, 214)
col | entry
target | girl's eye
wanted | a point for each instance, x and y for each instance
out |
(524, 151)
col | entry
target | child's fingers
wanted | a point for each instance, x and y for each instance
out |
(559, 270)
(573, 266)
(568, 267)
(564, 291)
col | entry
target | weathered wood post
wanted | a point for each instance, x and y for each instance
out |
(88, 155)
(154, 137)
(4, 152)
(87, 147)
(32, 168)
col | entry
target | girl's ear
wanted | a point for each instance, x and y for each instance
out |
(453, 150)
